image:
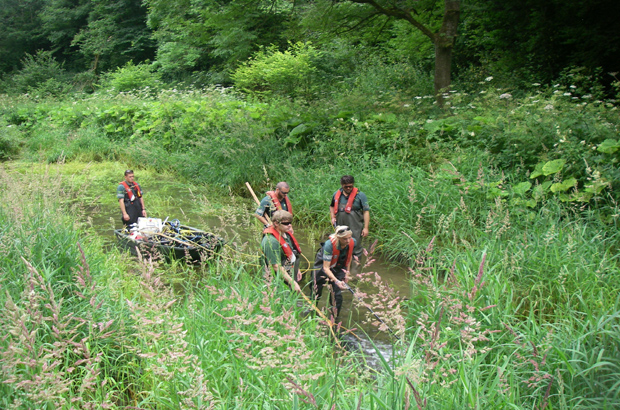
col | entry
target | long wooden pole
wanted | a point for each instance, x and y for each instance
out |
(247, 184)
(329, 322)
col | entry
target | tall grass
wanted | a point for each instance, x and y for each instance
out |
(514, 292)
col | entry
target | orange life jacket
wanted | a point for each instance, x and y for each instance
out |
(349, 206)
(285, 247)
(336, 252)
(130, 194)
(277, 204)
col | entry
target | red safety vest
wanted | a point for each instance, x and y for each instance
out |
(336, 252)
(285, 247)
(130, 192)
(349, 206)
(277, 204)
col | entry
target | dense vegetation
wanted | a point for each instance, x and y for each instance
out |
(501, 196)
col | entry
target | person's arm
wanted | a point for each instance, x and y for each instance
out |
(332, 215)
(287, 277)
(262, 219)
(332, 211)
(366, 223)
(143, 207)
(261, 211)
(121, 202)
(331, 276)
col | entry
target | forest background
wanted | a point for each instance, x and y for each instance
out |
(485, 134)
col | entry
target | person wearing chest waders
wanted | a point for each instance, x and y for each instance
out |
(129, 194)
(281, 250)
(350, 207)
(275, 200)
(332, 264)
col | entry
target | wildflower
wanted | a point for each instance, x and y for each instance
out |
(536, 84)
(573, 86)
(488, 79)
(548, 107)
(567, 94)
(505, 96)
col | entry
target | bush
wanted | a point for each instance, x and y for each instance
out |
(290, 73)
(41, 75)
(132, 77)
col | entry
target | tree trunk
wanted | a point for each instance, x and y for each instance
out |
(444, 43)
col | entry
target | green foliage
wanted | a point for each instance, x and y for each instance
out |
(490, 36)
(20, 32)
(41, 74)
(214, 36)
(10, 142)
(116, 34)
(290, 73)
(132, 77)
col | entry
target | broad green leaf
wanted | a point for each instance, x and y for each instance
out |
(553, 167)
(596, 186)
(609, 146)
(493, 193)
(521, 188)
(538, 192)
(538, 171)
(301, 129)
(564, 185)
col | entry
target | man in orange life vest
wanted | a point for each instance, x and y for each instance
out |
(281, 250)
(274, 201)
(350, 207)
(129, 194)
(332, 264)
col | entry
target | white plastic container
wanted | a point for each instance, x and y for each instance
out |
(149, 225)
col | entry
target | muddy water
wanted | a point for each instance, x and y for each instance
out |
(236, 224)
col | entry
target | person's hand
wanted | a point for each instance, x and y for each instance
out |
(341, 284)
(333, 220)
(365, 232)
(296, 287)
(298, 276)
(144, 212)
(126, 216)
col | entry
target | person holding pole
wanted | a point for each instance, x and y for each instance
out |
(333, 264)
(281, 250)
(275, 200)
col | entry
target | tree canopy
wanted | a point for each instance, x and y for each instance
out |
(526, 41)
